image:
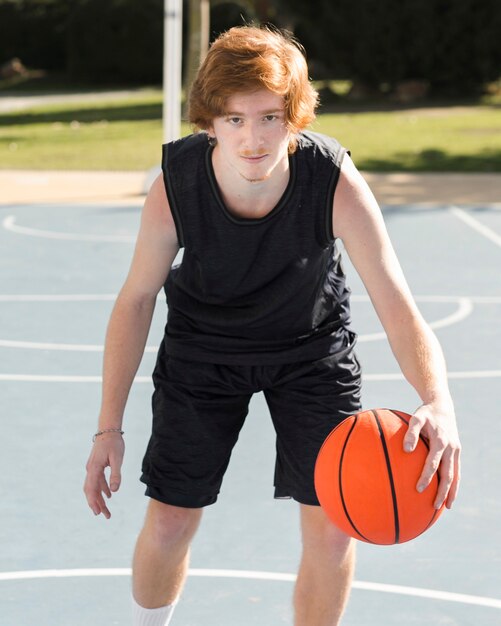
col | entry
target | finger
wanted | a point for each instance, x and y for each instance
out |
(412, 435)
(93, 500)
(104, 488)
(115, 476)
(90, 495)
(102, 507)
(455, 483)
(446, 475)
(93, 486)
(95, 507)
(430, 467)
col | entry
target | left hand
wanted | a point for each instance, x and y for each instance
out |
(437, 424)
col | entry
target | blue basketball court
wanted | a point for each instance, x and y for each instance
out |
(61, 266)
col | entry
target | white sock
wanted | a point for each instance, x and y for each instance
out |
(152, 617)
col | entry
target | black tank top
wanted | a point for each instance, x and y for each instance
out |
(259, 291)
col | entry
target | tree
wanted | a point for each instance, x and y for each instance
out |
(116, 40)
(454, 44)
(198, 40)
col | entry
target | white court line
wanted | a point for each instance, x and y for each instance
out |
(464, 309)
(474, 299)
(419, 592)
(432, 299)
(105, 297)
(63, 378)
(450, 375)
(70, 347)
(31, 345)
(476, 225)
(9, 223)
(47, 378)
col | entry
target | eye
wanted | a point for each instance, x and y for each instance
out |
(271, 117)
(234, 120)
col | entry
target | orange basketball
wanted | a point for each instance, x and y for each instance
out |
(366, 483)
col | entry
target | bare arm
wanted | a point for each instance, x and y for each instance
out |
(128, 328)
(358, 222)
(130, 320)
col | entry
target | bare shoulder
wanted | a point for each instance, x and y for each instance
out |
(156, 247)
(358, 221)
(354, 203)
(156, 211)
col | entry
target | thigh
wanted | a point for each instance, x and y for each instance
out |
(312, 400)
(197, 417)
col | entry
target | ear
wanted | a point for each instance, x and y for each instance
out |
(211, 135)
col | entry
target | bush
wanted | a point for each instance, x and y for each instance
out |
(34, 31)
(453, 44)
(224, 15)
(467, 52)
(112, 41)
(116, 40)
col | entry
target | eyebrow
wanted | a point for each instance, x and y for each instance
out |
(267, 112)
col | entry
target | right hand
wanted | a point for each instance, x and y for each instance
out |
(108, 451)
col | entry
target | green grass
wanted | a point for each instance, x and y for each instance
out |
(127, 135)
(121, 135)
(421, 140)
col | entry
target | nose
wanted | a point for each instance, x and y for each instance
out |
(252, 139)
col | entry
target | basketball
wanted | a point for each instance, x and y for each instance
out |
(366, 483)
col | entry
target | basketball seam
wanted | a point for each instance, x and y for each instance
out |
(340, 470)
(390, 477)
(435, 513)
(406, 421)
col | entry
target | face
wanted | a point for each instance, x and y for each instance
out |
(252, 138)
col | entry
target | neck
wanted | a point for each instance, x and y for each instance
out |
(252, 197)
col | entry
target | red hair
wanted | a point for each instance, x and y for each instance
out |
(248, 58)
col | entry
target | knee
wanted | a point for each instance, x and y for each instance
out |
(321, 536)
(168, 524)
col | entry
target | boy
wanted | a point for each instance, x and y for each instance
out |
(258, 303)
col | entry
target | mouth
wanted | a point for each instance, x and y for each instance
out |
(254, 159)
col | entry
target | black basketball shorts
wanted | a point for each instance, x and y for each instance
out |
(199, 409)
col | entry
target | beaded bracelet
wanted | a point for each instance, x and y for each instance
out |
(107, 430)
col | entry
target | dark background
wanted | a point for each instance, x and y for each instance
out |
(450, 45)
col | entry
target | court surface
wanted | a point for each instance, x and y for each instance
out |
(60, 267)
